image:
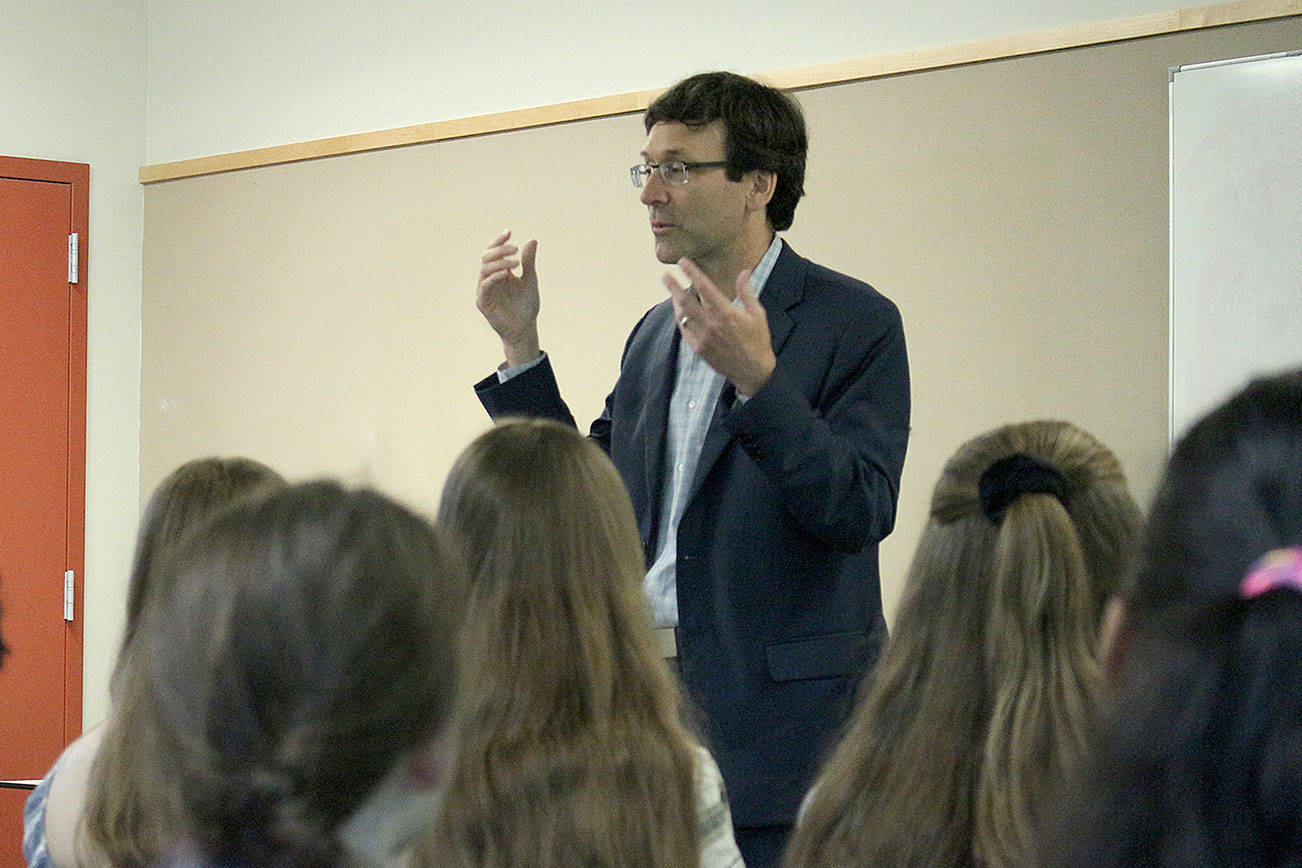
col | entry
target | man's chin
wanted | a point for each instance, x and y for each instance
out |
(666, 254)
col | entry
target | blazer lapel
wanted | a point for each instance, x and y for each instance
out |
(660, 371)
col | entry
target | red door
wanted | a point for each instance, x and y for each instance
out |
(42, 470)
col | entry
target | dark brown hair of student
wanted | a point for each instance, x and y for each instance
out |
(980, 703)
(129, 814)
(1199, 761)
(307, 648)
(571, 749)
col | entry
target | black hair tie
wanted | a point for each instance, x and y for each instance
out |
(1009, 478)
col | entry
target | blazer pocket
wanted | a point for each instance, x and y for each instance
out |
(831, 655)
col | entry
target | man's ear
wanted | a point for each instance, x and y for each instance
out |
(763, 185)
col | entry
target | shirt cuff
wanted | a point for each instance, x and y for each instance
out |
(504, 373)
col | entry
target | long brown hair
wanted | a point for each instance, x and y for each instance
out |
(309, 647)
(130, 811)
(980, 703)
(189, 495)
(571, 749)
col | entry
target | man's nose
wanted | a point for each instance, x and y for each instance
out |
(654, 189)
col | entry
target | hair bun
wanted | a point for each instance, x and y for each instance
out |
(1009, 478)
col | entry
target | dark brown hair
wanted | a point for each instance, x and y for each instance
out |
(308, 646)
(763, 129)
(1200, 757)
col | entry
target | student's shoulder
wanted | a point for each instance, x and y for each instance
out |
(69, 789)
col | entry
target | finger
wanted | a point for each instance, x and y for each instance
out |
(743, 283)
(498, 264)
(706, 291)
(501, 239)
(679, 294)
(686, 304)
(527, 258)
(749, 302)
(487, 282)
(498, 252)
(498, 270)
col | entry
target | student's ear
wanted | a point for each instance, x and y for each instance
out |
(1113, 636)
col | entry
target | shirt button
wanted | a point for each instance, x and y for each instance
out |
(691, 405)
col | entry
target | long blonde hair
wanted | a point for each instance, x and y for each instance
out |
(571, 749)
(980, 704)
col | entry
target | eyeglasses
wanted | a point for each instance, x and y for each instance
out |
(674, 173)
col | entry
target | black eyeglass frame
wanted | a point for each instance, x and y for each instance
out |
(642, 171)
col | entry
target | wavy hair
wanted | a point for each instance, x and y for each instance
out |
(979, 705)
(130, 812)
(307, 647)
(571, 749)
(1200, 757)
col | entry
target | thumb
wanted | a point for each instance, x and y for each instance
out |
(527, 257)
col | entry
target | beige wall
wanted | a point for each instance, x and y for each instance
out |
(319, 315)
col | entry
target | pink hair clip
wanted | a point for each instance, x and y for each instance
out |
(1281, 568)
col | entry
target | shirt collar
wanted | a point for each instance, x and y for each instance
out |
(760, 276)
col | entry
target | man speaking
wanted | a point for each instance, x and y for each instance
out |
(759, 422)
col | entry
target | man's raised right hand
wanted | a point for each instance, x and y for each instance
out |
(508, 301)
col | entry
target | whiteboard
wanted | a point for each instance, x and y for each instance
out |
(1236, 227)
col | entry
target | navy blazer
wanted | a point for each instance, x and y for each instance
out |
(779, 603)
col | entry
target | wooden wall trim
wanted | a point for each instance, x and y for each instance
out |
(1154, 24)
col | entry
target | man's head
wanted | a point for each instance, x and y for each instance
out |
(763, 130)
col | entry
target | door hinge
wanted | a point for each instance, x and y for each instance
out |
(69, 590)
(72, 258)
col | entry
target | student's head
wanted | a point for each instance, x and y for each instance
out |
(980, 702)
(762, 129)
(130, 811)
(1200, 761)
(554, 554)
(304, 658)
(1232, 491)
(190, 494)
(570, 744)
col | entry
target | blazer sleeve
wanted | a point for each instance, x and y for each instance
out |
(531, 393)
(837, 459)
